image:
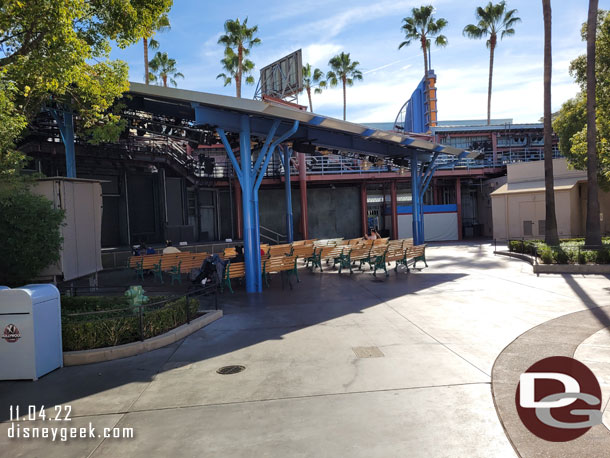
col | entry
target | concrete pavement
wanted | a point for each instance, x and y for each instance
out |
(434, 335)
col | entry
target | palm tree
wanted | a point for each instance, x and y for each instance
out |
(231, 67)
(162, 25)
(493, 20)
(163, 68)
(312, 81)
(593, 231)
(550, 236)
(344, 70)
(238, 40)
(421, 26)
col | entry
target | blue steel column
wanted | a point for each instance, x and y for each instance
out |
(262, 162)
(285, 155)
(265, 156)
(416, 201)
(250, 243)
(65, 122)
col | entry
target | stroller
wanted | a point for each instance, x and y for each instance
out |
(210, 273)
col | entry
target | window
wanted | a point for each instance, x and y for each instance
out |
(541, 227)
(527, 228)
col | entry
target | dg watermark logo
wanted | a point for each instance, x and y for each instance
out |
(559, 399)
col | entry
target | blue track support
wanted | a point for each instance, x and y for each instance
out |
(65, 122)
(285, 159)
(250, 178)
(418, 235)
(250, 243)
(264, 156)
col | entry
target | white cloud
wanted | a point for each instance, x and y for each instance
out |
(319, 53)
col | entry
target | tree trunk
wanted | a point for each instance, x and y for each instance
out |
(344, 98)
(424, 48)
(309, 96)
(164, 80)
(550, 236)
(492, 48)
(240, 55)
(593, 231)
(145, 42)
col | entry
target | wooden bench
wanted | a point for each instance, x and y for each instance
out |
(303, 242)
(232, 270)
(279, 250)
(354, 254)
(417, 253)
(228, 253)
(409, 254)
(147, 262)
(327, 242)
(371, 259)
(394, 253)
(305, 252)
(326, 253)
(282, 265)
(183, 263)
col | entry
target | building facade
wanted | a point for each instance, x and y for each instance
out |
(168, 178)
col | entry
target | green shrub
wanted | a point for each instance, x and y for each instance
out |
(119, 327)
(29, 230)
(602, 256)
(546, 254)
(78, 304)
(560, 256)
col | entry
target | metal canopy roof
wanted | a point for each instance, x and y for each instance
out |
(224, 111)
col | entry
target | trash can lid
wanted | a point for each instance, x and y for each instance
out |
(41, 292)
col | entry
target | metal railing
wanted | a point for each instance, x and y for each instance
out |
(272, 236)
(329, 164)
(138, 309)
(343, 165)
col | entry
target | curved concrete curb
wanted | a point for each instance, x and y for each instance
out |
(75, 358)
(592, 269)
(572, 269)
(511, 254)
(558, 337)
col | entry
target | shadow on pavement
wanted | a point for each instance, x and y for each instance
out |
(599, 313)
(249, 319)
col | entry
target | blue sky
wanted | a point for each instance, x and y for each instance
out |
(370, 32)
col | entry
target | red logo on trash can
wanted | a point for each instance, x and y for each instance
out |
(11, 333)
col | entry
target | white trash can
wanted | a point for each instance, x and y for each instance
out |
(30, 332)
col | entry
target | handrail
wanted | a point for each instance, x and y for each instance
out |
(279, 238)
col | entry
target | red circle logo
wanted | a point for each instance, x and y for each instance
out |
(11, 333)
(559, 399)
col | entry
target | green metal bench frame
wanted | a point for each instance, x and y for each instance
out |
(157, 271)
(294, 271)
(379, 263)
(175, 274)
(139, 269)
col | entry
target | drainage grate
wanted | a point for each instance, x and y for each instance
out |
(228, 370)
(368, 352)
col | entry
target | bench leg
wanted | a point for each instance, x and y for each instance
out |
(159, 275)
(139, 273)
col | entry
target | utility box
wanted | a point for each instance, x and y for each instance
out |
(81, 252)
(30, 332)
